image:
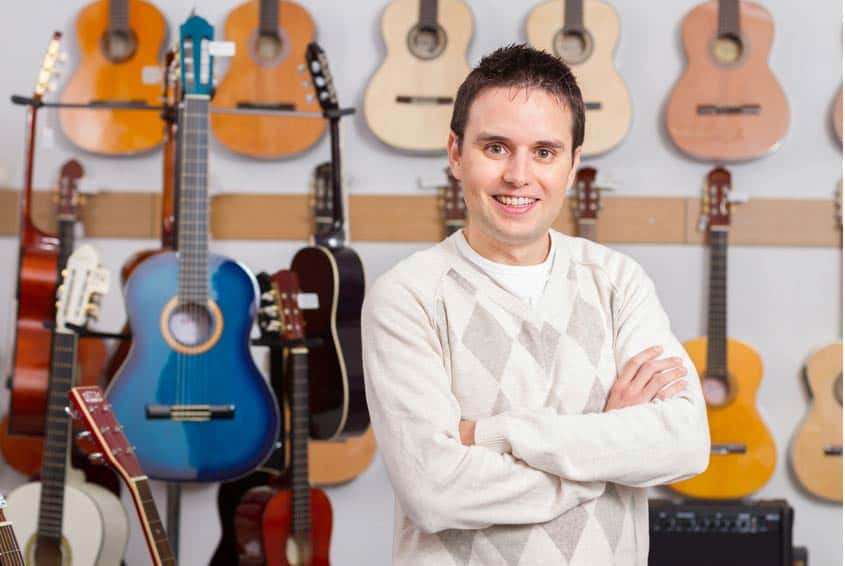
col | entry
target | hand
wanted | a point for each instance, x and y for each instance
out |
(467, 430)
(643, 379)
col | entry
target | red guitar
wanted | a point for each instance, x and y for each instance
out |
(91, 408)
(297, 522)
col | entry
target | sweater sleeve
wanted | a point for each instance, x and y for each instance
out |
(645, 445)
(440, 483)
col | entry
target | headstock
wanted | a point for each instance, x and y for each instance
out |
(318, 66)
(49, 66)
(268, 309)
(91, 409)
(837, 203)
(197, 63)
(84, 281)
(716, 208)
(452, 200)
(586, 198)
(69, 199)
(286, 285)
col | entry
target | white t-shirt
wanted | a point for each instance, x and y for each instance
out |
(525, 281)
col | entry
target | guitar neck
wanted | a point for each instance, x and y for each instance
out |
(66, 244)
(428, 15)
(717, 306)
(153, 530)
(573, 16)
(193, 202)
(169, 180)
(10, 552)
(119, 16)
(27, 227)
(336, 237)
(300, 488)
(53, 467)
(268, 17)
(587, 228)
(729, 18)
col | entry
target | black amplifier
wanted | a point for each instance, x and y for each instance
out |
(720, 533)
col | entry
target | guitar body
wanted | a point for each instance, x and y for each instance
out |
(274, 81)
(249, 516)
(747, 80)
(98, 78)
(597, 76)
(732, 476)
(220, 371)
(820, 473)
(229, 497)
(333, 462)
(277, 521)
(338, 406)
(21, 453)
(417, 127)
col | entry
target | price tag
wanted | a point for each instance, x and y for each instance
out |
(222, 48)
(151, 75)
(308, 301)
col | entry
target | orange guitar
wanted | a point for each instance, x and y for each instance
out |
(728, 105)
(742, 454)
(268, 71)
(118, 41)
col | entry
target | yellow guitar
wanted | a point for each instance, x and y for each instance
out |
(743, 453)
(584, 33)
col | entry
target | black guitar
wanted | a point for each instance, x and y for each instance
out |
(335, 274)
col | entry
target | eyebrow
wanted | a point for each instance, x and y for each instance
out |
(485, 137)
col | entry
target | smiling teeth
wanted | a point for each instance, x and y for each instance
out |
(515, 201)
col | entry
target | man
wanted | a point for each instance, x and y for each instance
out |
(525, 386)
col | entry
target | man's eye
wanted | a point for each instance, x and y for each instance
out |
(496, 148)
(543, 153)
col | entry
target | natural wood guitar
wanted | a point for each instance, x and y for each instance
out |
(408, 102)
(728, 105)
(267, 72)
(742, 453)
(584, 34)
(118, 40)
(10, 552)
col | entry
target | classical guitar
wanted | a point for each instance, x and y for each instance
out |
(296, 524)
(62, 520)
(586, 202)
(333, 272)
(118, 41)
(408, 102)
(584, 34)
(742, 453)
(452, 207)
(40, 258)
(10, 552)
(728, 105)
(267, 72)
(89, 406)
(189, 376)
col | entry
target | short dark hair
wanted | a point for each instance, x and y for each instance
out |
(521, 66)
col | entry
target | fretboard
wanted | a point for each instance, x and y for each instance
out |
(300, 488)
(573, 16)
(729, 18)
(428, 15)
(268, 17)
(193, 202)
(119, 15)
(10, 552)
(66, 243)
(717, 307)
(336, 236)
(62, 369)
(153, 530)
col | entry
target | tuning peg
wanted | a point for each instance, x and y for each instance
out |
(270, 310)
(71, 412)
(83, 435)
(97, 458)
(267, 296)
(62, 57)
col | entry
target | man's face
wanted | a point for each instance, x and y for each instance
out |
(515, 166)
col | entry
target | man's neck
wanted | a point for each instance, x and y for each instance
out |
(530, 253)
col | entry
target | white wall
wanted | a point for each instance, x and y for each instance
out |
(784, 302)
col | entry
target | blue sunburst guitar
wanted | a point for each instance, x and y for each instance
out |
(191, 399)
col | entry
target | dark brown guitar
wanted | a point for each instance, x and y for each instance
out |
(333, 272)
(452, 207)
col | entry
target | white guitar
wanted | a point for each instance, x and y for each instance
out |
(62, 520)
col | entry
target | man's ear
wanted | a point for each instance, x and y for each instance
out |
(453, 149)
(576, 163)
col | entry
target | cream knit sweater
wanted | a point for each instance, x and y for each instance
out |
(552, 479)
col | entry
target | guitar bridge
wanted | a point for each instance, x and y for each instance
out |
(727, 448)
(430, 100)
(592, 105)
(715, 110)
(196, 413)
(269, 106)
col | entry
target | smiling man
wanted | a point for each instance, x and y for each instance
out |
(525, 386)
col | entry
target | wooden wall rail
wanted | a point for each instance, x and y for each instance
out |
(392, 218)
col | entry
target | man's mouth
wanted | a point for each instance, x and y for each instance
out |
(515, 201)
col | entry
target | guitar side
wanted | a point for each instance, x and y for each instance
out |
(731, 476)
(223, 374)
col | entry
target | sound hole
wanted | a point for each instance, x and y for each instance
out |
(573, 47)
(119, 45)
(269, 49)
(426, 42)
(727, 49)
(716, 390)
(837, 390)
(190, 324)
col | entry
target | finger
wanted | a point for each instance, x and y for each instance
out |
(649, 369)
(633, 365)
(672, 390)
(661, 380)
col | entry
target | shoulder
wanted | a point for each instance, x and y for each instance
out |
(608, 267)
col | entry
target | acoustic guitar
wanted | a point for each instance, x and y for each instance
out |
(584, 34)
(452, 206)
(89, 406)
(189, 376)
(408, 102)
(742, 453)
(118, 40)
(267, 72)
(62, 520)
(728, 105)
(10, 552)
(333, 272)
(836, 117)
(586, 202)
(296, 523)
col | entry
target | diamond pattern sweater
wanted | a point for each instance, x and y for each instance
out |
(552, 479)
